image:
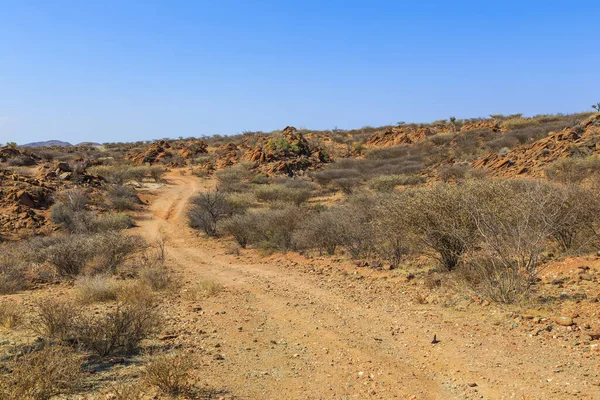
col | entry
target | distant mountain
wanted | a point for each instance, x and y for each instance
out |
(47, 143)
(88, 144)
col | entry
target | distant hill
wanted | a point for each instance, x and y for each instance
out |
(47, 143)
(88, 144)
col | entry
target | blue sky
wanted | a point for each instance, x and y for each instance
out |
(139, 70)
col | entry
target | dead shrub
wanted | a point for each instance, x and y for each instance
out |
(171, 373)
(74, 199)
(41, 375)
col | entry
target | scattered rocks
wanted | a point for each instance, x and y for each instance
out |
(533, 158)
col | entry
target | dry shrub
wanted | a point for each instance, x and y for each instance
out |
(114, 221)
(280, 193)
(135, 291)
(69, 254)
(207, 209)
(113, 248)
(234, 179)
(55, 319)
(515, 220)
(122, 198)
(269, 229)
(41, 375)
(453, 173)
(12, 270)
(171, 373)
(99, 288)
(119, 329)
(387, 183)
(440, 219)
(127, 391)
(73, 199)
(155, 276)
(573, 169)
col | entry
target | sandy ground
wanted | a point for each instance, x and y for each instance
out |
(291, 327)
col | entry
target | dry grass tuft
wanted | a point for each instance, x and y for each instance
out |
(98, 288)
(203, 289)
(11, 315)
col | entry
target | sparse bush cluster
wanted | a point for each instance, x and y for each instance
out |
(493, 231)
(120, 329)
(120, 174)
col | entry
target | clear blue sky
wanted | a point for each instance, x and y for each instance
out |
(136, 70)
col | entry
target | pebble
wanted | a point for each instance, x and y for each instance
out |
(564, 321)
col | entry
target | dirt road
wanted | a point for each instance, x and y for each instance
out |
(289, 327)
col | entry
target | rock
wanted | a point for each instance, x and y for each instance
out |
(564, 321)
(25, 199)
(594, 336)
(472, 384)
(63, 167)
(65, 176)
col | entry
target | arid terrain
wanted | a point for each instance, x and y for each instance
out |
(452, 260)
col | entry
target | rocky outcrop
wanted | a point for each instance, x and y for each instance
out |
(8, 152)
(162, 152)
(153, 155)
(22, 201)
(396, 136)
(532, 159)
(286, 153)
(62, 171)
(227, 155)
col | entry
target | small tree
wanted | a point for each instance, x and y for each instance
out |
(207, 209)
(596, 107)
(439, 218)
